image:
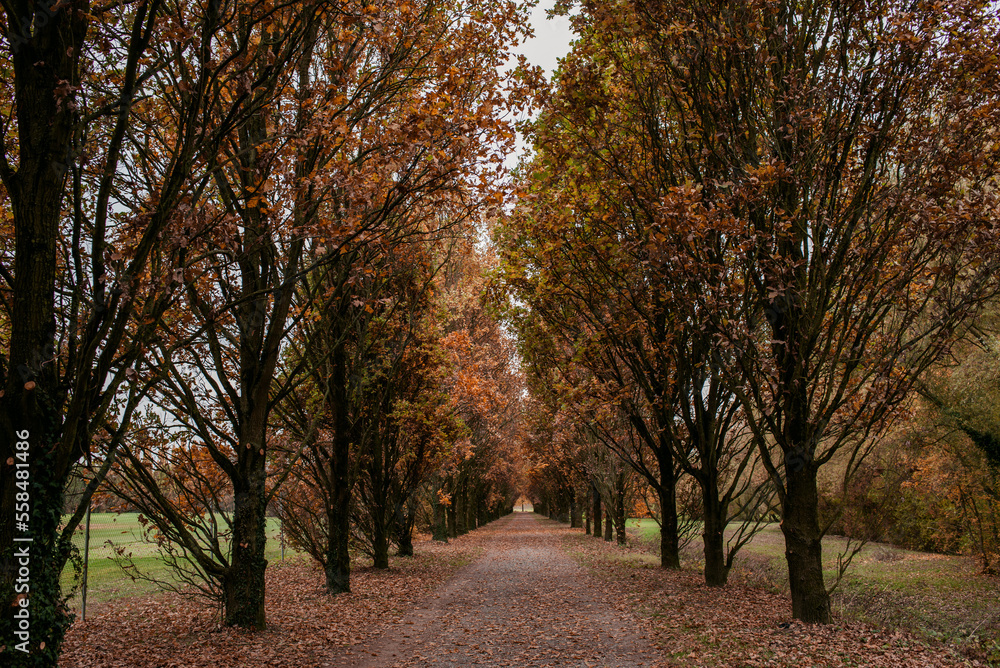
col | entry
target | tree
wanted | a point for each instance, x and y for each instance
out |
(419, 156)
(428, 382)
(404, 420)
(290, 198)
(819, 163)
(960, 399)
(612, 480)
(242, 255)
(593, 317)
(603, 247)
(485, 387)
(91, 276)
(832, 145)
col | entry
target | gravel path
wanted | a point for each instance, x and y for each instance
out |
(524, 602)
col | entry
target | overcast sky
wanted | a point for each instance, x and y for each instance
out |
(551, 42)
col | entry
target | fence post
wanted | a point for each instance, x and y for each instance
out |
(86, 561)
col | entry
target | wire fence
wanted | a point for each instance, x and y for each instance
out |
(101, 537)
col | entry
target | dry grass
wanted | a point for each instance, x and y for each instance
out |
(935, 597)
(748, 622)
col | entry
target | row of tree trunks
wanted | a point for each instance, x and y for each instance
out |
(467, 511)
(613, 523)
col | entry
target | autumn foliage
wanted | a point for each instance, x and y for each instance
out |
(196, 171)
(265, 258)
(785, 211)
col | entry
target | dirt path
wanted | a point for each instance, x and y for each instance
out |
(524, 602)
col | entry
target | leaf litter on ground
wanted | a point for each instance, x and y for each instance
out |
(740, 625)
(687, 622)
(306, 627)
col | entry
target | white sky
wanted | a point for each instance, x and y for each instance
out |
(550, 42)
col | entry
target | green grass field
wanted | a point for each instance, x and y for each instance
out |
(107, 581)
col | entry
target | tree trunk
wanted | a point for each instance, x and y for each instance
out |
(471, 505)
(380, 545)
(483, 514)
(338, 560)
(461, 511)
(440, 518)
(803, 544)
(43, 53)
(597, 511)
(620, 515)
(406, 544)
(452, 532)
(716, 571)
(405, 518)
(574, 510)
(670, 553)
(243, 583)
(608, 524)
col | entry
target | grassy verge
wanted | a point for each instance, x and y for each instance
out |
(935, 596)
(691, 625)
(106, 581)
(306, 627)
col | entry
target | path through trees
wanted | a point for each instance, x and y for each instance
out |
(524, 602)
